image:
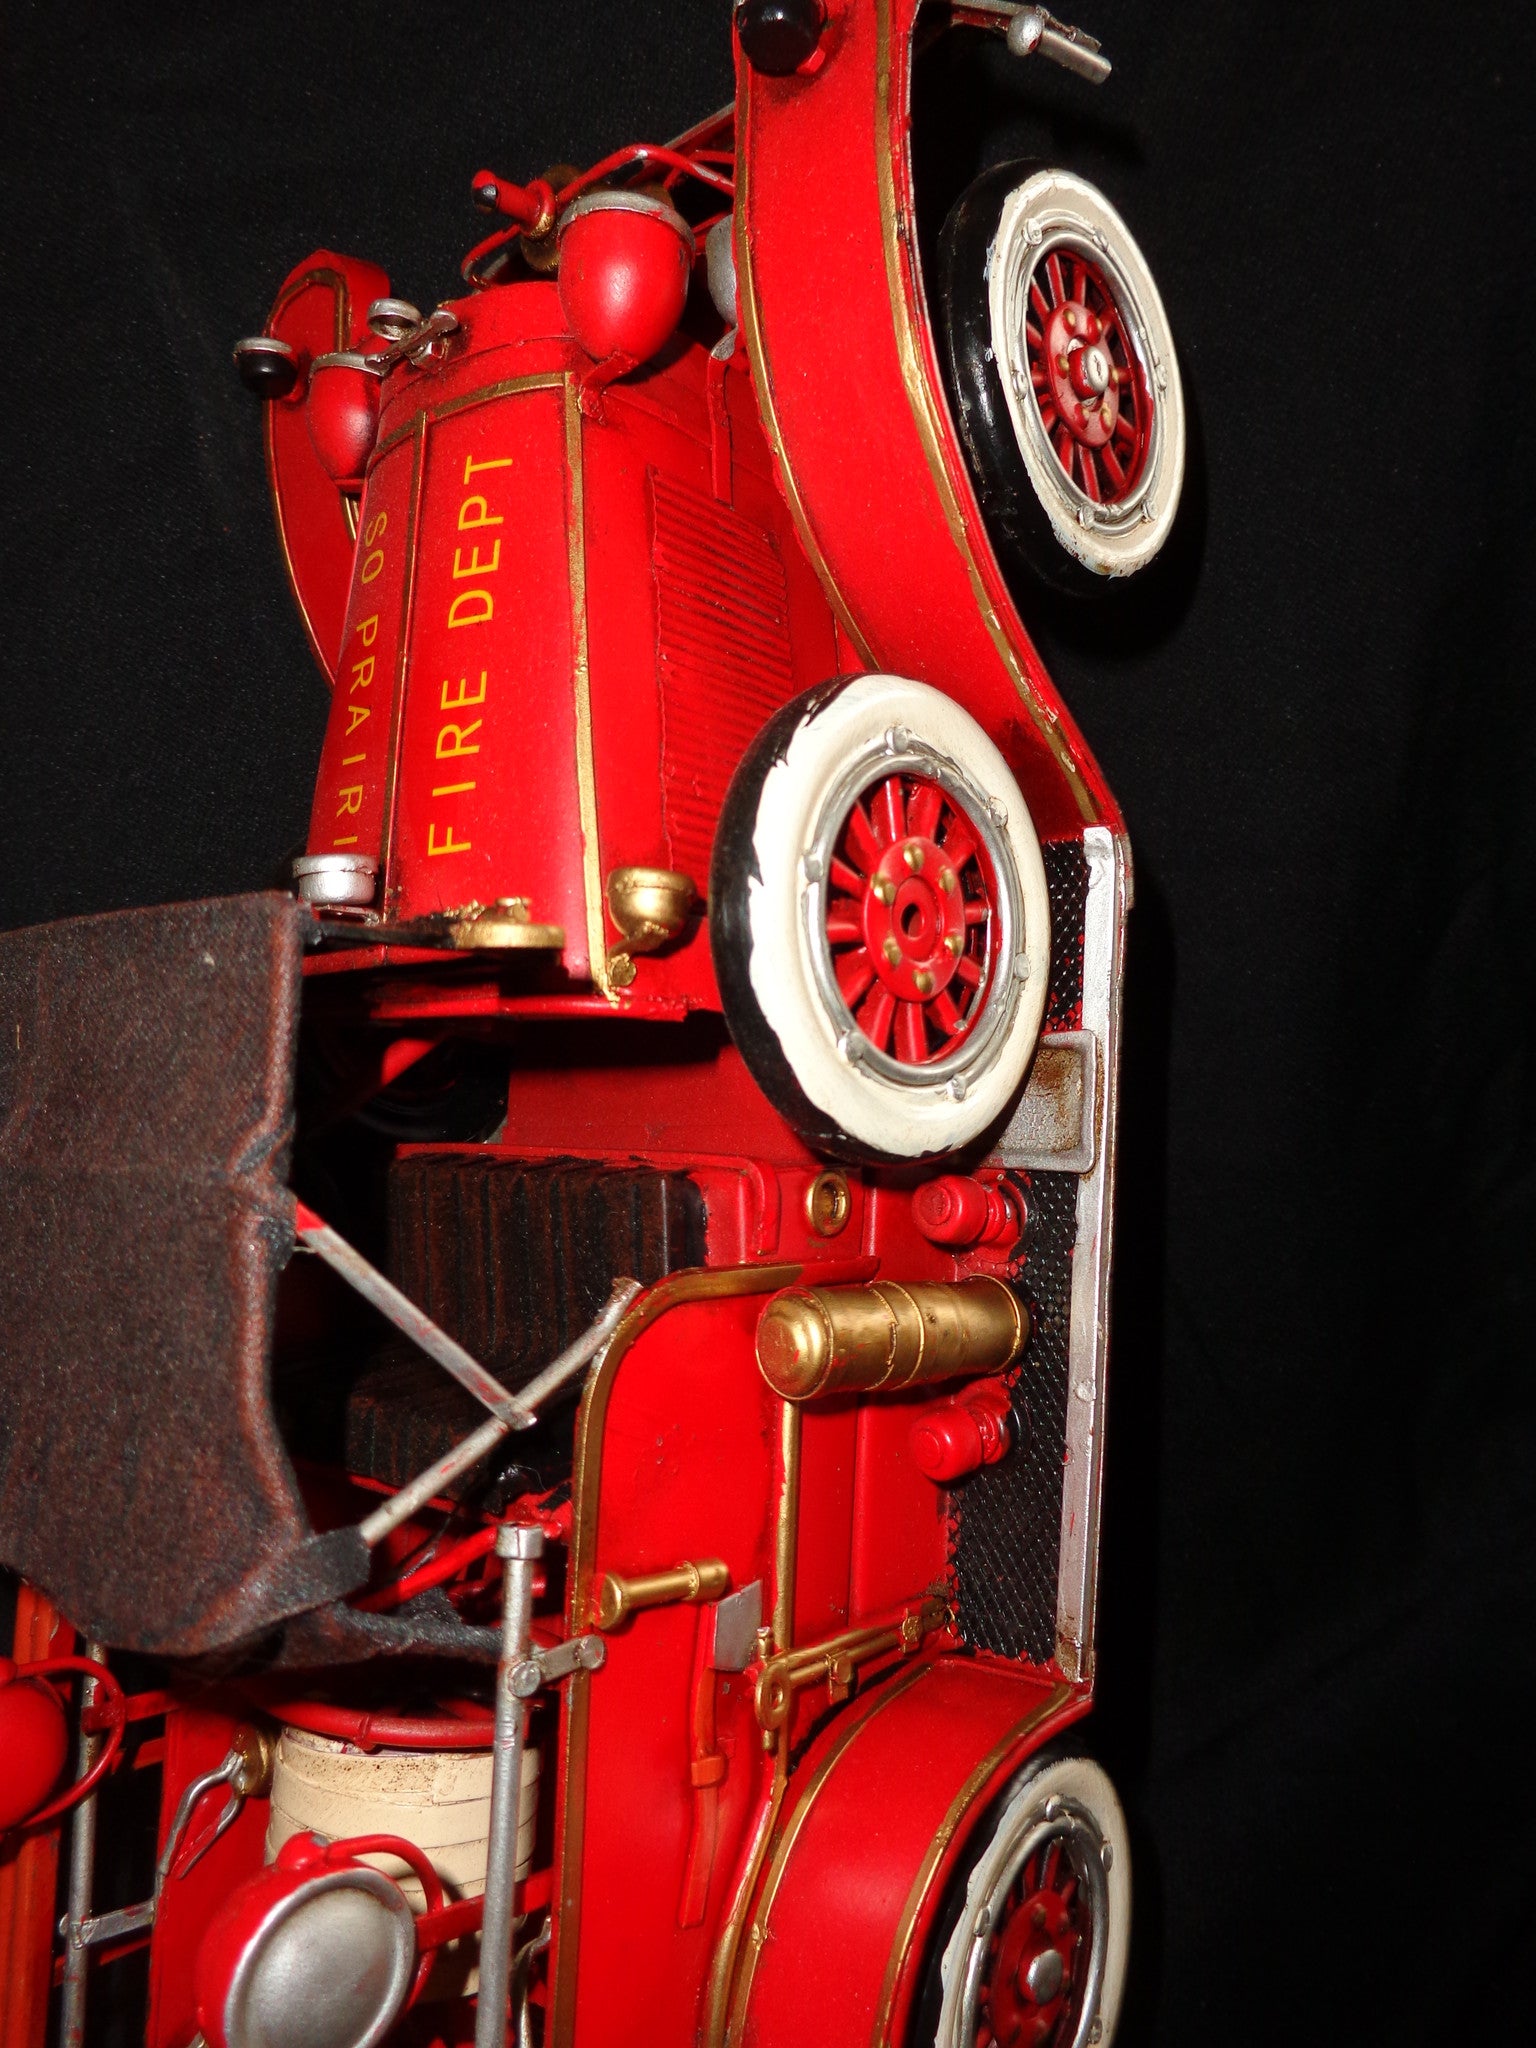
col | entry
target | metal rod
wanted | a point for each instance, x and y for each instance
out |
(519, 1549)
(522, 1972)
(522, 1415)
(82, 1872)
(383, 1295)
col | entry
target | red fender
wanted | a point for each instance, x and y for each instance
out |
(836, 329)
(837, 1943)
(322, 307)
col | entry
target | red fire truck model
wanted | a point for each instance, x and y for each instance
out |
(553, 1376)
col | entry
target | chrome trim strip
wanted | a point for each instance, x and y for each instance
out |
(1109, 894)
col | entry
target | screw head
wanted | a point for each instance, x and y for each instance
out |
(924, 981)
(912, 854)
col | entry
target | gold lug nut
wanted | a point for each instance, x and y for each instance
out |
(924, 982)
(912, 854)
(892, 952)
(1069, 320)
(947, 880)
(884, 888)
(954, 945)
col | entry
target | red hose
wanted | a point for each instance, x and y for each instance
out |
(471, 1729)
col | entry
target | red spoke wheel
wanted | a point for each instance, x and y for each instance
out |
(1063, 374)
(1090, 389)
(1033, 1953)
(1036, 1965)
(911, 919)
(879, 920)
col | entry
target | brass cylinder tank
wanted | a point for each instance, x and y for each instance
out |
(844, 1340)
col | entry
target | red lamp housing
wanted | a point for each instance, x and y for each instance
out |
(343, 414)
(34, 1740)
(625, 262)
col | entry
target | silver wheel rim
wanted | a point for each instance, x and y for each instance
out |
(1055, 212)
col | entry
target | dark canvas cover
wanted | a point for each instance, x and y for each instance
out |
(146, 1114)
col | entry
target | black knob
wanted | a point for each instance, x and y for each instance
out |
(779, 35)
(268, 367)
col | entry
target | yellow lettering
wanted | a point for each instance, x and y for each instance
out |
(372, 564)
(484, 517)
(464, 695)
(362, 674)
(449, 845)
(356, 713)
(351, 760)
(460, 744)
(374, 528)
(350, 840)
(460, 615)
(452, 788)
(369, 630)
(351, 801)
(499, 462)
(475, 567)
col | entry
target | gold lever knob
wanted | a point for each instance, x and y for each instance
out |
(621, 1595)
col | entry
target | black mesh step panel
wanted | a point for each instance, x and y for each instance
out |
(1066, 878)
(515, 1260)
(1007, 1517)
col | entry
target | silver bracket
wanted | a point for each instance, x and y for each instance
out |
(108, 1926)
(548, 1667)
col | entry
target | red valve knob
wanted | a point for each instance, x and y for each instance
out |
(34, 1741)
(956, 1210)
(954, 1438)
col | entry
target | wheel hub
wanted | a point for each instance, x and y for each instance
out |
(1094, 405)
(1030, 1991)
(909, 919)
(914, 920)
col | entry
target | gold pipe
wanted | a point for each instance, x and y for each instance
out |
(836, 1661)
(786, 1534)
(836, 1340)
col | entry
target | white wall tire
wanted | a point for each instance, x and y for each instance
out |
(1018, 1951)
(1064, 375)
(884, 979)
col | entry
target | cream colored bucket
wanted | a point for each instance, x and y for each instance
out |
(440, 1800)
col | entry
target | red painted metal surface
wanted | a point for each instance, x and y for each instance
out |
(830, 1931)
(836, 329)
(557, 609)
(197, 1739)
(29, 1864)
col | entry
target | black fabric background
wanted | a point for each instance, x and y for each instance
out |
(1318, 1676)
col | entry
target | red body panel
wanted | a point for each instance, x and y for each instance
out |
(557, 617)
